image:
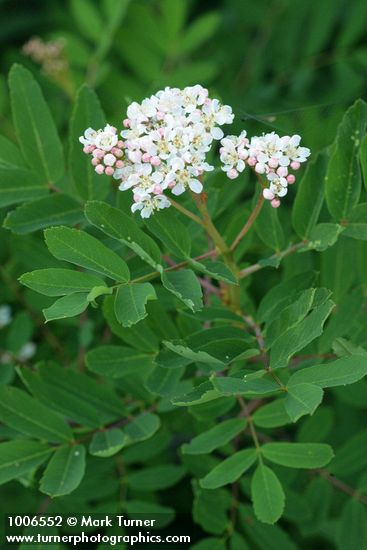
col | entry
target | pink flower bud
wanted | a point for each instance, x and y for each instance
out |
(259, 168)
(119, 164)
(98, 153)
(161, 131)
(282, 171)
(109, 159)
(109, 171)
(222, 150)
(155, 161)
(268, 195)
(295, 165)
(145, 157)
(136, 198)
(171, 184)
(251, 161)
(126, 122)
(99, 169)
(160, 115)
(158, 189)
(275, 203)
(95, 161)
(273, 162)
(291, 179)
(118, 152)
(121, 144)
(232, 174)
(113, 129)
(86, 149)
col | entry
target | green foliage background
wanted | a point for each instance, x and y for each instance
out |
(287, 65)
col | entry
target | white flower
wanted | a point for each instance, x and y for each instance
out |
(89, 137)
(5, 315)
(278, 185)
(27, 351)
(106, 138)
(144, 178)
(147, 204)
(291, 149)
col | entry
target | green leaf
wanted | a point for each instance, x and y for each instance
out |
(310, 197)
(193, 356)
(356, 226)
(210, 509)
(117, 361)
(200, 30)
(88, 19)
(64, 472)
(20, 185)
(27, 415)
(363, 160)
(343, 178)
(107, 443)
(67, 306)
(227, 385)
(267, 495)
(142, 427)
(35, 128)
(201, 394)
(352, 527)
(87, 113)
(351, 457)
(163, 382)
(130, 302)
(10, 156)
(346, 370)
(230, 469)
(217, 436)
(324, 235)
(55, 209)
(209, 543)
(155, 478)
(296, 338)
(268, 227)
(59, 282)
(173, 234)
(80, 248)
(215, 270)
(302, 399)
(114, 223)
(271, 415)
(163, 515)
(185, 286)
(19, 457)
(298, 455)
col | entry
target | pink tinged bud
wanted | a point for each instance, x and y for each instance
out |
(291, 179)
(275, 203)
(109, 171)
(273, 162)
(121, 144)
(295, 165)
(99, 169)
(95, 161)
(161, 131)
(232, 174)
(171, 184)
(86, 149)
(282, 171)
(155, 161)
(98, 153)
(113, 129)
(259, 168)
(126, 122)
(251, 161)
(268, 195)
(160, 115)
(119, 164)
(158, 189)
(145, 157)
(136, 198)
(118, 153)
(114, 150)
(222, 150)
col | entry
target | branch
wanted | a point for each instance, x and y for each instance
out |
(250, 221)
(256, 267)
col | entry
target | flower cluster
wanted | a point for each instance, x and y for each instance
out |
(165, 142)
(163, 148)
(268, 154)
(105, 147)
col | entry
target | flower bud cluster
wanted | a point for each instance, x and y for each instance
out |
(268, 154)
(105, 148)
(165, 142)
